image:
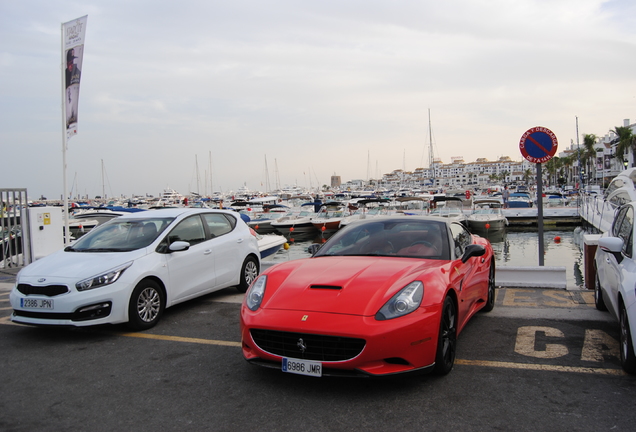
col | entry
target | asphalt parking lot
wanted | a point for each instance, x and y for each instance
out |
(541, 360)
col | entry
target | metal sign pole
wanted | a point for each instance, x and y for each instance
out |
(540, 212)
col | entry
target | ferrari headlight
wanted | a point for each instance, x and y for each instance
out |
(103, 279)
(404, 302)
(255, 295)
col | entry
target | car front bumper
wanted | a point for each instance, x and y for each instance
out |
(403, 344)
(103, 305)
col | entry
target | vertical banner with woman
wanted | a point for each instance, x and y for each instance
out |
(73, 33)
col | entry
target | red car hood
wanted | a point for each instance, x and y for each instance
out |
(342, 285)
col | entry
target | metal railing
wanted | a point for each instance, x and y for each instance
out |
(15, 246)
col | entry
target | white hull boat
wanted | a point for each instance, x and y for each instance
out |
(269, 244)
(487, 216)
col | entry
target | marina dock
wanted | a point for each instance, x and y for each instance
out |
(552, 216)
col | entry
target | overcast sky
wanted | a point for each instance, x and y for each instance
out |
(307, 89)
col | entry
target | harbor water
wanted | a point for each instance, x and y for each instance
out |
(563, 247)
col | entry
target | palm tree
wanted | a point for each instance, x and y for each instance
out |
(588, 156)
(567, 163)
(549, 170)
(626, 142)
(577, 172)
(527, 174)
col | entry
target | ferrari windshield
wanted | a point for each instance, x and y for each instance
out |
(402, 237)
(121, 235)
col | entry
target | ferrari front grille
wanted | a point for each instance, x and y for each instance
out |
(307, 346)
(48, 290)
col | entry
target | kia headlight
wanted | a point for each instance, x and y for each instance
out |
(404, 302)
(103, 279)
(255, 295)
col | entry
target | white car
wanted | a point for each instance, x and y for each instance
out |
(133, 267)
(615, 287)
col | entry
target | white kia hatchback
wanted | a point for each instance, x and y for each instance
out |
(133, 267)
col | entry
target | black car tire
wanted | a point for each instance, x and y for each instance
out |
(249, 272)
(490, 302)
(146, 306)
(598, 295)
(447, 339)
(628, 359)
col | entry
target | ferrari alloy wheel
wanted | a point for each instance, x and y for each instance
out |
(628, 360)
(447, 340)
(490, 302)
(598, 295)
(249, 272)
(146, 305)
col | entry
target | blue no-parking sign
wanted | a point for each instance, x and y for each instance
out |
(538, 144)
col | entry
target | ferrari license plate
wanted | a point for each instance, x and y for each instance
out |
(28, 303)
(302, 367)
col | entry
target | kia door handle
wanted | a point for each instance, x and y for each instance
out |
(207, 252)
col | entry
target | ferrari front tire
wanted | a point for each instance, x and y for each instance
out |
(447, 339)
(490, 301)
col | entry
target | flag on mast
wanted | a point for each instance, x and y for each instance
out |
(73, 34)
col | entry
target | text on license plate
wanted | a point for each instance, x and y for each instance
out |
(302, 367)
(28, 303)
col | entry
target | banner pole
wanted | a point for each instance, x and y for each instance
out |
(64, 141)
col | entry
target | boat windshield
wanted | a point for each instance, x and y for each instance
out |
(121, 235)
(485, 210)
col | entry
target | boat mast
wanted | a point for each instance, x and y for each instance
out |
(103, 191)
(196, 164)
(267, 187)
(210, 168)
(276, 175)
(431, 159)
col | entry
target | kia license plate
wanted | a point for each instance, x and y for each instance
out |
(33, 303)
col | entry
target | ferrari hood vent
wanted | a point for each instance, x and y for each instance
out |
(329, 287)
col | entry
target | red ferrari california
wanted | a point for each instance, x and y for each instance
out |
(382, 296)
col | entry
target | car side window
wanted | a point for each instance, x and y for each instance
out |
(189, 230)
(218, 224)
(461, 238)
(626, 229)
(618, 220)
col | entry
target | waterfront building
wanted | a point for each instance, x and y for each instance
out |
(608, 164)
(456, 175)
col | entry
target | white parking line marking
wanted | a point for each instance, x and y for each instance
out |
(7, 321)
(181, 339)
(540, 367)
(485, 363)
